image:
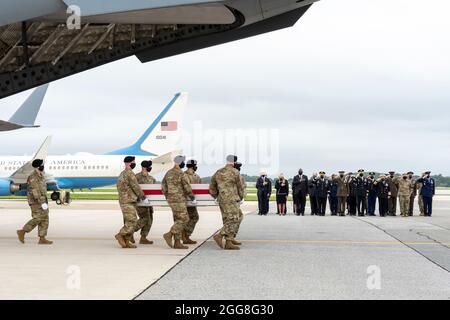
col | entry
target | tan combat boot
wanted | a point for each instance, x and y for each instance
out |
(168, 237)
(178, 245)
(218, 239)
(121, 240)
(21, 235)
(235, 242)
(129, 245)
(188, 240)
(230, 246)
(42, 240)
(144, 240)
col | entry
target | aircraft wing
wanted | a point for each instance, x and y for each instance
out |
(8, 126)
(21, 175)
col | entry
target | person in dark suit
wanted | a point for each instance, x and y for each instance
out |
(427, 192)
(264, 187)
(282, 191)
(361, 193)
(333, 198)
(299, 192)
(352, 192)
(322, 190)
(372, 194)
(312, 186)
(383, 192)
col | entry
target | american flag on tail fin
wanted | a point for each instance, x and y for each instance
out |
(169, 126)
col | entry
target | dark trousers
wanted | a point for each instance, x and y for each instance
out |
(392, 206)
(313, 203)
(427, 205)
(411, 204)
(371, 203)
(351, 205)
(263, 203)
(300, 202)
(341, 205)
(322, 205)
(333, 205)
(361, 202)
(382, 206)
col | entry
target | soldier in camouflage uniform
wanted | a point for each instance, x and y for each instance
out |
(145, 213)
(129, 194)
(193, 178)
(413, 193)
(238, 167)
(176, 188)
(38, 202)
(392, 180)
(405, 187)
(419, 192)
(226, 187)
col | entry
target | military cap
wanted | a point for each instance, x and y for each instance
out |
(341, 172)
(129, 159)
(371, 173)
(179, 159)
(232, 158)
(360, 170)
(427, 172)
(146, 164)
(410, 172)
(322, 172)
(191, 163)
(391, 172)
(37, 163)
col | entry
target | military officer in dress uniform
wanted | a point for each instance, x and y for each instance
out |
(322, 190)
(428, 190)
(361, 193)
(372, 194)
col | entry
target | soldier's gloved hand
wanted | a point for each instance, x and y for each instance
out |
(216, 201)
(44, 206)
(146, 201)
(241, 202)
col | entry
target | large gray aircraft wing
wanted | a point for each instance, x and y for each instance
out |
(28, 111)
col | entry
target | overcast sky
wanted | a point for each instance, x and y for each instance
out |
(355, 84)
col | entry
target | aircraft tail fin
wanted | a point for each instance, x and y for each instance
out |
(28, 111)
(163, 134)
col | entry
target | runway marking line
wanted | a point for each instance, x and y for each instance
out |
(342, 242)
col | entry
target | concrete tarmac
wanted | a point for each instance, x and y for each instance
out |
(311, 257)
(85, 261)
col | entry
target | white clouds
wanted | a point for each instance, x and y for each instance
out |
(356, 83)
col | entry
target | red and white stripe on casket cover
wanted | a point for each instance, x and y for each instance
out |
(157, 199)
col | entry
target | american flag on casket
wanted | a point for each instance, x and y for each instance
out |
(153, 192)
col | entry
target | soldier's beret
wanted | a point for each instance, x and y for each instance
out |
(191, 163)
(146, 163)
(129, 159)
(37, 163)
(179, 159)
(232, 158)
(360, 170)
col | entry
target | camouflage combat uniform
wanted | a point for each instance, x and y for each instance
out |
(404, 193)
(192, 211)
(419, 192)
(37, 195)
(145, 213)
(241, 215)
(129, 194)
(176, 187)
(226, 187)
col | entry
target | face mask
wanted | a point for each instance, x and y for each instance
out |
(132, 166)
(300, 172)
(361, 174)
(405, 177)
(341, 175)
(41, 168)
(194, 168)
(182, 165)
(410, 176)
(391, 175)
(322, 175)
(148, 169)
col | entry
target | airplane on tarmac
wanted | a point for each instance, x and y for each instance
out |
(46, 40)
(25, 116)
(83, 170)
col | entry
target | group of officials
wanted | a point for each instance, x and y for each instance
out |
(349, 193)
(227, 187)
